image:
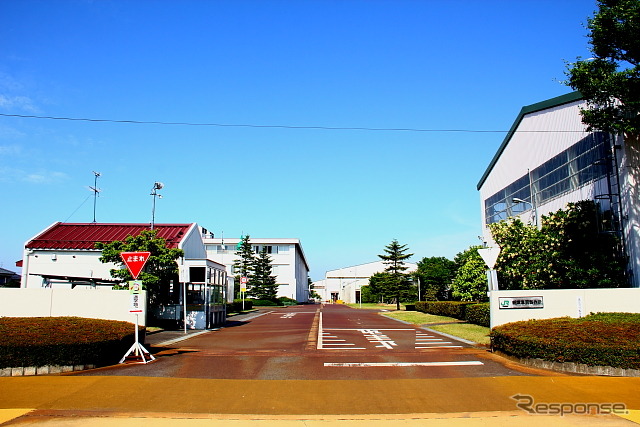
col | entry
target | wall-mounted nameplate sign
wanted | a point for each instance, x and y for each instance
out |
(520, 302)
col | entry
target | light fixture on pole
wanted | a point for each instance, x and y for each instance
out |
(95, 190)
(154, 192)
(517, 200)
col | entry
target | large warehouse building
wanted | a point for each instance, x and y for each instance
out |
(548, 159)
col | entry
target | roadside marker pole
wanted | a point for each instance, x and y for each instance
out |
(138, 348)
(135, 262)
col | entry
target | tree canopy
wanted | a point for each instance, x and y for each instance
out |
(572, 249)
(243, 266)
(262, 284)
(470, 280)
(397, 283)
(160, 268)
(610, 80)
(435, 275)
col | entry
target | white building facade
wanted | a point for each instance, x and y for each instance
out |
(288, 261)
(63, 256)
(345, 284)
(548, 159)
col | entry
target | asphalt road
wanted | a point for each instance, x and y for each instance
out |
(310, 363)
(333, 342)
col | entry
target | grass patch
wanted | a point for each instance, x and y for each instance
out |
(418, 318)
(374, 305)
(467, 331)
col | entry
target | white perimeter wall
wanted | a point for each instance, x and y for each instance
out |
(90, 303)
(63, 263)
(565, 302)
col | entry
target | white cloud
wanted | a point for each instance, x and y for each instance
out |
(9, 150)
(45, 177)
(8, 132)
(8, 174)
(19, 102)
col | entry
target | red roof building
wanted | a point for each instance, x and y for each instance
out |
(85, 235)
(64, 256)
(65, 253)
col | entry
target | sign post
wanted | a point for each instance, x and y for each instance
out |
(243, 289)
(490, 256)
(135, 261)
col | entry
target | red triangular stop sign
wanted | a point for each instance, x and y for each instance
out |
(135, 261)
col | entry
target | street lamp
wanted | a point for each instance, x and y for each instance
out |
(154, 192)
(534, 213)
(95, 190)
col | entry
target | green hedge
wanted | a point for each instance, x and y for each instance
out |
(455, 309)
(264, 303)
(478, 314)
(65, 341)
(236, 305)
(596, 340)
(287, 301)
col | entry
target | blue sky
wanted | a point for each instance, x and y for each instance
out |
(452, 69)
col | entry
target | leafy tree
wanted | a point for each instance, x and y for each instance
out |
(243, 266)
(367, 294)
(525, 255)
(398, 285)
(435, 275)
(380, 287)
(160, 268)
(610, 81)
(470, 280)
(569, 251)
(312, 292)
(262, 285)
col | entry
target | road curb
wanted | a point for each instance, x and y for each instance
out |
(453, 337)
(433, 331)
(571, 367)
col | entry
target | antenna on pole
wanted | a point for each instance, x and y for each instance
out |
(154, 192)
(96, 191)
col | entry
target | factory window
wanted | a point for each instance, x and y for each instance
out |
(581, 164)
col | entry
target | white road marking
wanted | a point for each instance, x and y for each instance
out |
(320, 333)
(439, 346)
(402, 364)
(423, 340)
(346, 348)
(342, 343)
(359, 329)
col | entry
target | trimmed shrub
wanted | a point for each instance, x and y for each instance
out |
(236, 305)
(478, 314)
(455, 309)
(287, 301)
(41, 341)
(263, 303)
(598, 340)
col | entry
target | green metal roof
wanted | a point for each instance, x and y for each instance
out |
(549, 103)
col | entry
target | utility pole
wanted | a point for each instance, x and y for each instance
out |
(95, 190)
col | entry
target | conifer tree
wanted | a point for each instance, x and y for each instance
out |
(243, 266)
(262, 284)
(398, 285)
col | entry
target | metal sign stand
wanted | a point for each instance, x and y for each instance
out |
(138, 348)
(135, 261)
